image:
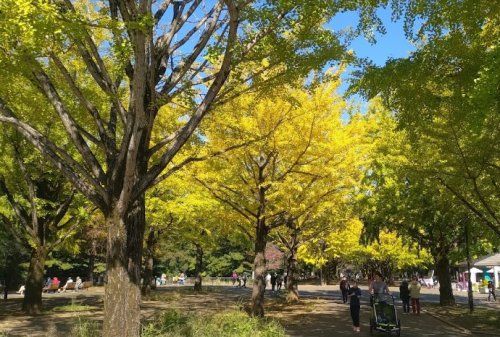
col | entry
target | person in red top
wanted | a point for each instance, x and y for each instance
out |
(55, 281)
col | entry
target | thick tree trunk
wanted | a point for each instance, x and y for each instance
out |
(322, 275)
(147, 280)
(92, 263)
(259, 267)
(32, 302)
(122, 295)
(198, 268)
(149, 263)
(444, 277)
(292, 282)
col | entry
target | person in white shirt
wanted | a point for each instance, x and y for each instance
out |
(21, 290)
(268, 280)
(70, 280)
(79, 283)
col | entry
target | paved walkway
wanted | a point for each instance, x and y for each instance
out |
(427, 295)
(334, 320)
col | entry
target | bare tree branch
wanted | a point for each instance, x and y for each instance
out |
(202, 109)
(71, 169)
(31, 191)
(18, 210)
(69, 123)
(471, 207)
(62, 209)
(178, 72)
(83, 100)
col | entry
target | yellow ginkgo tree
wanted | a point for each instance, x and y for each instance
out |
(298, 154)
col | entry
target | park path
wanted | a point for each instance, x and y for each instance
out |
(320, 313)
(333, 319)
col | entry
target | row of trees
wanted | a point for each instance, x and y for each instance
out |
(119, 97)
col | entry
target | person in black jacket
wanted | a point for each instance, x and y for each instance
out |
(354, 293)
(344, 287)
(273, 281)
(404, 294)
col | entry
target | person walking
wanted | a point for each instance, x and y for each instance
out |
(415, 295)
(404, 294)
(491, 291)
(273, 281)
(244, 278)
(354, 293)
(279, 282)
(378, 287)
(234, 278)
(268, 280)
(344, 287)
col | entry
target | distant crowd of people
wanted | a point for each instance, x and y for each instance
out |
(240, 279)
(275, 281)
(53, 285)
(179, 279)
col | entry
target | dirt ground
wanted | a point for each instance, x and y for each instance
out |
(319, 314)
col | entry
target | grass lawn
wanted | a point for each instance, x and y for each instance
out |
(481, 319)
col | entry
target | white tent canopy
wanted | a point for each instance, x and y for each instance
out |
(491, 261)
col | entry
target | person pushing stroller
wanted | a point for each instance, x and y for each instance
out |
(384, 315)
(378, 286)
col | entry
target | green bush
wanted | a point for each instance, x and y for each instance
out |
(173, 323)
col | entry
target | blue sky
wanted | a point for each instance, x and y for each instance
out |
(393, 44)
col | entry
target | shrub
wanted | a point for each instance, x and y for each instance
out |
(85, 328)
(173, 323)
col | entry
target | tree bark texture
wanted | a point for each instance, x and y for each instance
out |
(32, 301)
(322, 275)
(147, 281)
(92, 263)
(292, 284)
(443, 273)
(198, 268)
(259, 266)
(122, 295)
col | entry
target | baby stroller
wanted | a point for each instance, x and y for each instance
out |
(384, 317)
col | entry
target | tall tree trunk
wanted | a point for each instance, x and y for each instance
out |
(92, 262)
(149, 262)
(444, 277)
(322, 275)
(259, 267)
(122, 295)
(291, 275)
(32, 302)
(198, 267)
